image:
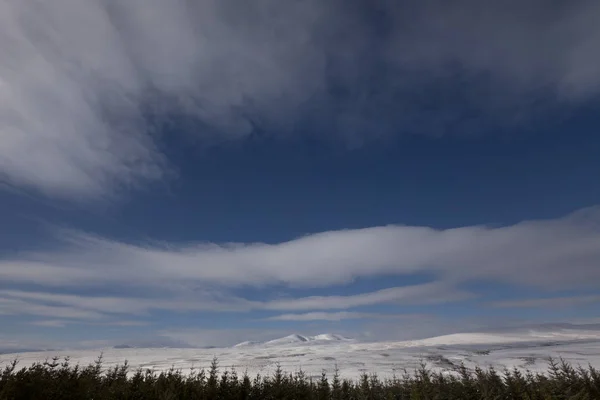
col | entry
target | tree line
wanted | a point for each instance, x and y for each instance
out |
(59, 379)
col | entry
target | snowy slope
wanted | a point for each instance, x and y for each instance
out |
(504, 338)
(247, 343)
(329, 337)
(295, 339)
(291, 339)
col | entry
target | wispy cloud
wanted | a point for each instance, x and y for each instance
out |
(554, 302)
(87, 307)
(415, 294)
(320, 316)
(548, 253)
(9, 306)
(339, 316)
(143, 279)
(78, 78)
(61, 323)
(51, 323)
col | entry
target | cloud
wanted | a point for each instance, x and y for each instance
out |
(416, 294)
(560, 253)
(85, 307)
(69, 124)
(320, 316)
(11, 306)
(51, 323)
(81, 81)
(339, 316)
(143, 279)
(58, 323)
(553, 302)
(533, 43)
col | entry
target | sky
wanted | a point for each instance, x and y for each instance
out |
(203, 172)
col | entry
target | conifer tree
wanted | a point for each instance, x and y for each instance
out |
(336, 386)
(324, 391)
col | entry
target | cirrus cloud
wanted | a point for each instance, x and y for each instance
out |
(78, 80)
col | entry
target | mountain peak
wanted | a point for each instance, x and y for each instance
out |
(296, 338)
(329, 337)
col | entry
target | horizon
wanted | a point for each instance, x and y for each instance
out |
(533, 335)
(205, 173)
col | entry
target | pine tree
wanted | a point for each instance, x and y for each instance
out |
(246, 387)
(336, 386)
(323, 391)
(212, 383)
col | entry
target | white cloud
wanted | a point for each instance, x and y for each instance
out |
(61, 323)
(320, 316)
(551, 255)
(68, 123)
(76, 78)
(560, 253)
(341, 315)
(85, 307)
(11, 306)
(52, 304)
(416, 294)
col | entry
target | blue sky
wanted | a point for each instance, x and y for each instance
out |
(203, 173)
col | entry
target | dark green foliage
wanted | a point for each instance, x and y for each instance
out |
(323, 389)
(336, 386)
(58, 379)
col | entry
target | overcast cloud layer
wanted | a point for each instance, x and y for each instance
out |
(79, 79)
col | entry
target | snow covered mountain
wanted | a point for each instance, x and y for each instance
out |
(329, 337)
(532, 335)
(295, 339)
(291, 339)
(523, 349)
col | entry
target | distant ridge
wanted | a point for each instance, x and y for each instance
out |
(296, 339)
(532, 334)
(329, 336)
(246, 343)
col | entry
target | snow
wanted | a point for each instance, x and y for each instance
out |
(246, 343)
(295, 338)
(323, 352)
(287, 340)
(491, 338)
(329, 337)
